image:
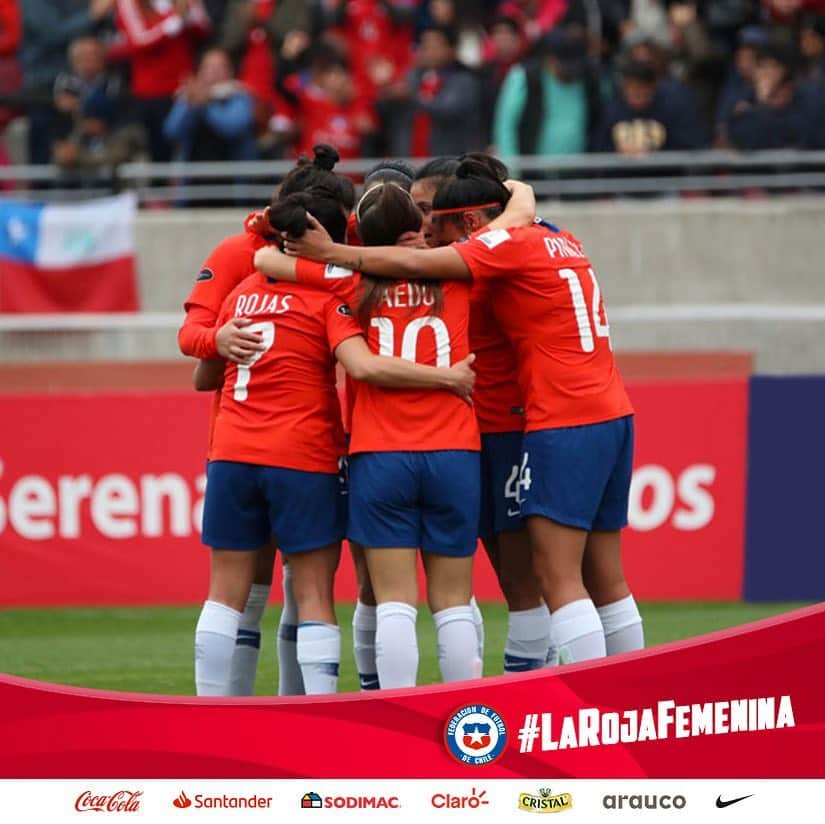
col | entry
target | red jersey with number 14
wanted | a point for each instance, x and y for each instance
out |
(283, 409)
(548, 302)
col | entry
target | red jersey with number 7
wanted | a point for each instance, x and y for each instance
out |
(283, 409)
(546, 298)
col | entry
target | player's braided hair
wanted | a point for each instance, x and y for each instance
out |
(289, 215)
(319, 171)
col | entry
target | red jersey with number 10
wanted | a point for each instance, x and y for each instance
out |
(283, 409)
(547, 300)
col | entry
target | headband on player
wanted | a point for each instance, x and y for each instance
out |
(463, 209)
(379, 185)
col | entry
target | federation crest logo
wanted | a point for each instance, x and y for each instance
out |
(475, 735)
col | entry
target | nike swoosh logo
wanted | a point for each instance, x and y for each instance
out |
(722, 804)
(513, 512)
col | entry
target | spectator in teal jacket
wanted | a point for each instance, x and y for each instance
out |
(548, 105)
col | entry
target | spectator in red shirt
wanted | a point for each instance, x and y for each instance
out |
(331, 111)
(9, 67)
(378, 38)
(161, 36)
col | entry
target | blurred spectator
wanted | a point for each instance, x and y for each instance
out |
(466, 17)
(213, 117)
(812, 48)
(442, 111)
(96, 140)
(550, 104)
(265, 37)
(739, 82)
(161, 37)
(329, 109)
(783, 12)
(377, 36)
(647, 117)
(536, 17)
(87, 75)
(10, 77)
(779, 112)
(506, 47)
(48, 28)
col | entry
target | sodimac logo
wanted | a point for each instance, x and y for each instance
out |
(122, 801)
(314, 801)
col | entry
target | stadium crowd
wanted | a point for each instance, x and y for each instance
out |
(103, 81)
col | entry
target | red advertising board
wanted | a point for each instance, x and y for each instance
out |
(101, 495)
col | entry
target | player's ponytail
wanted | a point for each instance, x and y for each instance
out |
(477, 184)
(289, 215)
(385, 212)
(319, 171)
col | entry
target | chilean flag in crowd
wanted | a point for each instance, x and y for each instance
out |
(68, 257)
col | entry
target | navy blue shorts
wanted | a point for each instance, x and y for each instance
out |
(501, 497)
(579, 475)
(415, 499)
(246, 503)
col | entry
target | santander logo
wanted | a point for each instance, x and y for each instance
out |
(182, 801)
(122, 801)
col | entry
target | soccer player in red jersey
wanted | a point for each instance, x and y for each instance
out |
(578, 444)
(201, 337)
(499, 407)
(276, 451)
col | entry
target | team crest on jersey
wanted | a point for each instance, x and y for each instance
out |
(343, 309)
(475, 735)
(494, 238)
(204, 274)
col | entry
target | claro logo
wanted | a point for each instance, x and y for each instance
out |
(658, 497)
(114, 505)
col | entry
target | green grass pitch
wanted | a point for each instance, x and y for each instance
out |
(150, 649)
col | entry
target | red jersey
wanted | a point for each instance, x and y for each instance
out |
(497, 399)
(548, 302)
(408, 420)
(160, 43)
(323, 120)
(283, 409)
(230, 262)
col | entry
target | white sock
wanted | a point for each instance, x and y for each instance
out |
(319, 656)
(248, 642)
(363, 645)
(622, 625)
(457, 644)
(215, 637)
(290, 680)
(528, 639)
(577, 631)
(396, 645)
(478, 620)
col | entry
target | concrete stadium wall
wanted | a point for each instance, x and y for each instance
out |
(661, 253)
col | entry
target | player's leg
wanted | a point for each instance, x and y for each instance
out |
(248, 642)
(529, 643)
(231, 575)
(603, 570)
(394, 578)
(318, 638)
(307, 512)
(290, 680)
(450, 503)
(383, 518)
(504, 535)
(364, 621)
(235, 521)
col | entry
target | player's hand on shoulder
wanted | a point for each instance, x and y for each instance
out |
(412, 240)
(236, 344)
(258, 223)
(463, 378)
(314, 244)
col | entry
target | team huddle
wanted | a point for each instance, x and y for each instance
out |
(482, 401)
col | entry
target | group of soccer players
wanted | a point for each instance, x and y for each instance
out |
(482, 401)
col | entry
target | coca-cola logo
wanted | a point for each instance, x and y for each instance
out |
(122, 801)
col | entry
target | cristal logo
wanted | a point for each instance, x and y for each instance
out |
(122, 801)
(182, 801)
